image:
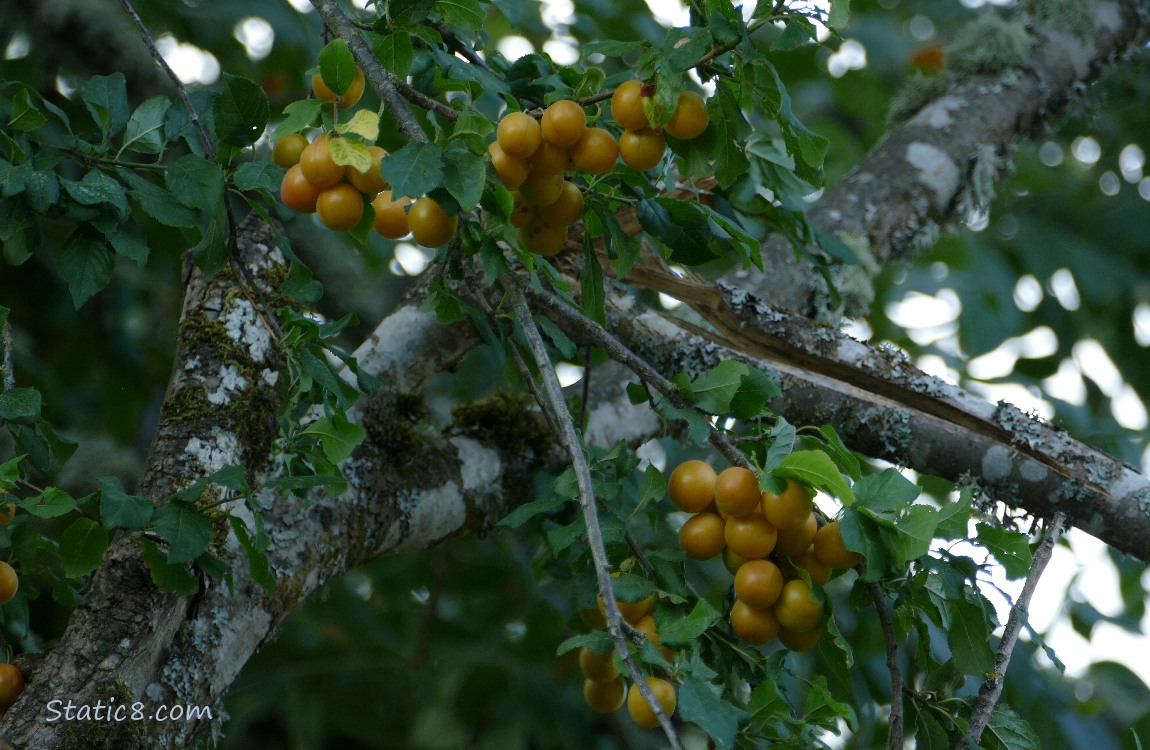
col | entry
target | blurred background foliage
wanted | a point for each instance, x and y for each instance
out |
(1043, 298)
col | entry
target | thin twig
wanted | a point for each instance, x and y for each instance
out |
(991, 688)
(895, 738)
(600, 337)
(570, 440)
(7, 358)
(455, 44)
(209, 145)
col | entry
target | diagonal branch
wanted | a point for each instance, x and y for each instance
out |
(895, 738)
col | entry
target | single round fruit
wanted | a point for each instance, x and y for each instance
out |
(818, 572)
(565, 210)
(758, 583)
(349, 98)
(430, 224)
(7, 513)
(549, 158)
(598, 667)
(604, 697)
(521, 212)
(794, 540)
(750, 536)
(732, 560)
(632, 612)
(9, 582)
(518, 134)
(642, 149)
(287, 150)
(512, 171)
(627, 106)
(11, 685)
(391, 215)
(791, 508)
(692, 485)
(830, 550)
(690, 118)
(563, 123)
(800, 641)
(701, 537)
(541, 188)
(317, 165)
(637, 706)
(595, 152)
(795, 609)
(757, 626)
(543, 239)
(340, 207)
(297, 193)
(371, 181)
(646, 626)
(737, 491)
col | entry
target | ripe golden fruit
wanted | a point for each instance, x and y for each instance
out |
(430, 224)
(701, 537)
(350, 97)
(604, 697)
(830, 550)
(642, 149)
(317, 165)
(627, 106)
(790, 508)
(565, 210)
(632, 612)
(522, 212)
(297, 193)
(391, 215)
(806, 560)
(9, 582)
(518, 134)
(637, 706)
(563, 123)
(758, 583)
(595, 152)
(737, 491)
(646, 626)
(692, 485)
(794, 540)
(541, 188)
(287, 150)
(690, 118)
(11, 685)
(340, 207)
(795, 609)
(542, 238)
(757, 626)
(732, 561)
(549, 158)
(371, 181)
(512, 171)
(800, 641)
(598, 667)
(750, 536)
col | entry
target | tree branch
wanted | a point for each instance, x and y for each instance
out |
(895, 738)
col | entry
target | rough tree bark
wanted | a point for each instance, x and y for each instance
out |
(411, 485)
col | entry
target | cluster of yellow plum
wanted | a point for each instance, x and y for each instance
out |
(763, 538)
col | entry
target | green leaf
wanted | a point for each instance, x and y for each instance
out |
(85, 263)
(24, 116)
(363, 123)
(97, 188)
(861, 534)
(158, 203)
(886, 491)
(10, 472)
(653, 489)
(82, 546)
(816, 469)
(622, 247)
(20, 404)
(106, 98)
(701, 704)
(414, 170)
(698, 427)
(259, 175)
(1007, 730)
(337, 436)
(305, 482)
(1011, 548)
(118, 508)
(52, 503)
(822, 708)
(969, 638)
(466, 14)
(840, 14)
(929, 733)
(680, 225)
(241, 111)
(558, 338)
(186, 529)
(463, 175)
(714, 389)
(913, 534)
(300, 115)
(145, 131)
(591, 285)
(636, 394)
(42, 191)
(175, 578)
(258, 567)
(598, 641)
(782, 436)
(211, 252)
(337, 66)
(196, 182)
(527, 511)
(731, 131)
(754, 391)
(395, 53)
(682, 47)
(629, 587)
(610, 48)
(685, 630)
(841, 454)
(953, 517)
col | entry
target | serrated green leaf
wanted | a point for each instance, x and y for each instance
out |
(259, 175)
(714, 389)
(953, 517)
(969, 638)
(683, 47)
(1010, 548)
(106, 98)
(698, 427)
(24, 116)
(930, 734)
(185, 528)
(350, 153)
(861, 534)
(731, 131)
(610, 48)
(42, 191)
(464, 175)
(636, 394)
(653, 489)
(1007, 730)
(85, 263)
(337, 66)
(680, 225)
(10, 471)
(466, 14)
(527, 511)
(158, 203)
(196, 182)
(913, 534)
(51, 503)
(118, 508)
(686, 630)
(816, 469)
(591, 285)
(413, 170)
(305, 482)
(145, 131)
(175, 578)
(338, 437)
(82, 547)
(97, 188)
(558, 338)
(754, 391)
(258, 567)
(886, 491)
(241, 111)
(20, 404)
(395, 53)
(598, 641)
(300, 115)
(840, 14)
(700, 703)
(211, 252)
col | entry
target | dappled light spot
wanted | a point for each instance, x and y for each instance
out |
(18, 47)
(1131, 161)
(1108, 183)
(190, 63)
(851, 55)
(1027, 293)
(514, 47)
(1086, 150)
(1050, 154)
(1064, 289)
(257, 36)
